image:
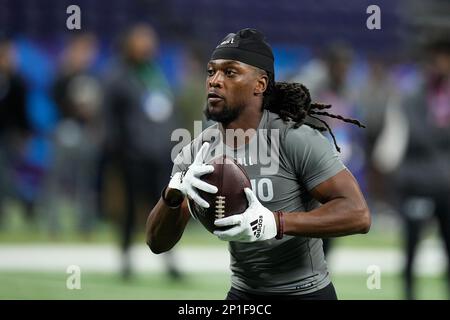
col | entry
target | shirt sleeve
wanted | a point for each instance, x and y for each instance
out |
(312, 156)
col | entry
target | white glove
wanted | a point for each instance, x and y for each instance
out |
(257, 223)
(188, 181)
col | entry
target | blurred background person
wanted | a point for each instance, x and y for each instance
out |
(72, 173)
(140, 116)
(423, 176)
(190, 98)
(378, 97)
(15, 129)
(328, 81)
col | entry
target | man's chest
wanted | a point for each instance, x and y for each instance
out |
(278, 189)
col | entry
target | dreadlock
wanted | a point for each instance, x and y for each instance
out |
(292, 101)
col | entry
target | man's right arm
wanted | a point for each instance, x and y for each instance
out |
(168, 219)
(165, 224)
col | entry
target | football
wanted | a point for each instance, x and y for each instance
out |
(230, 179)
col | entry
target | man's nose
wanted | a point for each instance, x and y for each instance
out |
(216, 80)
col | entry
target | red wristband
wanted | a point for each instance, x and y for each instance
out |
(280, 230)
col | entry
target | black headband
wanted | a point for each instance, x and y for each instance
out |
(247, 46)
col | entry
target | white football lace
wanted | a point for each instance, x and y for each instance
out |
(220, 207)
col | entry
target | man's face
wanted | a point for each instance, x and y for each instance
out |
(229, 87)
(142, 44)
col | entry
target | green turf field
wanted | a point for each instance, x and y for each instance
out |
(26, 285)
(16, 230)
(50, 285)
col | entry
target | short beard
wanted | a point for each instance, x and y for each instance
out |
(226, 116)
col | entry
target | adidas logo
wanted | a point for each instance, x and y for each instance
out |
(257, 226)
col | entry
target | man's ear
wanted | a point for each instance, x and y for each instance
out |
(261, 84)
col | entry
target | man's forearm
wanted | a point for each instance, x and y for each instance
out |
(338, 217)
(165, 226)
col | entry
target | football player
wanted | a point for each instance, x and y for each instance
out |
(310, 196)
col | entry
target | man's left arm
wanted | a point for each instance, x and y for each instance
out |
(343, 211)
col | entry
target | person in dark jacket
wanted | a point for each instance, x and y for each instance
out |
(140, 117)
(423, 178)
(15, 127)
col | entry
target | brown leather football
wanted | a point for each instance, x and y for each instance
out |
(230, 179)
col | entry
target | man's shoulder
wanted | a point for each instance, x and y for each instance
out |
(304, 139)
(289, 131)
(305, 132)
(274, 121)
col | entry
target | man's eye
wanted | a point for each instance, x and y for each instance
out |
(210, 72)
(230, 72)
